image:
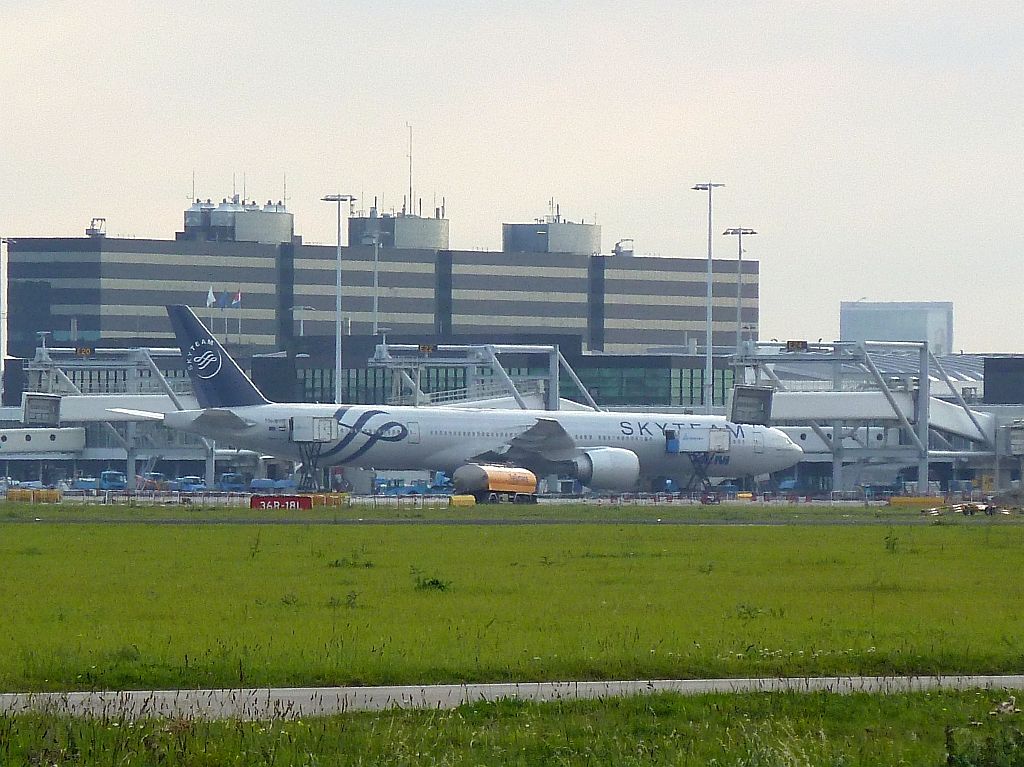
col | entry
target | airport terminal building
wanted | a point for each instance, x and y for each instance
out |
(265, 292)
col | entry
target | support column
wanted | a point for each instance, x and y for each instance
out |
(554, 398)
(131, 460)
(211, 463)
(923, 412)
(837, 426)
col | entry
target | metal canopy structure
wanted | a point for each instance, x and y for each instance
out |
(487, 380)
(850, 394)
(90, 384)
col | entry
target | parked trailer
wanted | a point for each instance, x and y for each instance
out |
(496, 484)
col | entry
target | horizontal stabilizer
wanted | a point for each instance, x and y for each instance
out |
(138, 415)
(221, 420)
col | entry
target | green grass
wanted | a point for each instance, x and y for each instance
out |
(568, 512)
(89, 606)
(792, 729)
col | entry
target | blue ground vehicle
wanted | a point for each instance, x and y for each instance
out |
(189, 484)
(264, 485)
(108, 480)
(231, 482)
(113, 480)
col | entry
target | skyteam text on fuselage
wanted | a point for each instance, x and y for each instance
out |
(604, 450)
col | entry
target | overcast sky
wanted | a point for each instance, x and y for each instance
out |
(875, 146)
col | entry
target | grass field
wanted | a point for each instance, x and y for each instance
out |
(921, 729)
(561, 512)
(89, 606)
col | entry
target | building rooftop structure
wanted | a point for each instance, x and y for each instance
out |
(930, 321)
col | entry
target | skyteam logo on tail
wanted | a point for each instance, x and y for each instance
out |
(203, 358)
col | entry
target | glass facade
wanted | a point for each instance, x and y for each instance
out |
(614, 385)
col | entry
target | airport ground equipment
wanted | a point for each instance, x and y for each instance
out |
(231, 482)
(495, 484)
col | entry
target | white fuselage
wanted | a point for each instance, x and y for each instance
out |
(433, 438)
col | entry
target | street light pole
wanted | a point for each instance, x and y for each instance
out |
(302, 318)
(738, 233)
(376, 261)
(708, 367)
(339, 199)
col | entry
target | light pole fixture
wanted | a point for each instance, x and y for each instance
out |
(709, 389)
(339, 199)
(374, 238)
(738, 233)
(302, 319)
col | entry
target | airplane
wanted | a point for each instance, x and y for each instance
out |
(603, 450)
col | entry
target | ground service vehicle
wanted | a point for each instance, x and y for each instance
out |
(496, 484)
(231, 482)
(113, 480)
(108, 480)
(265, 485)
(189, 484)
(151, 480)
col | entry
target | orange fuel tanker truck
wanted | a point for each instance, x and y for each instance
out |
(496, 484)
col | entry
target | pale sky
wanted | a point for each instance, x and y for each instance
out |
(877, 147)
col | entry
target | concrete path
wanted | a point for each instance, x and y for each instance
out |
(293, 703)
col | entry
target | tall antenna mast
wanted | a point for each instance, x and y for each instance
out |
(284, 199)
(411, 206)
(193, 184)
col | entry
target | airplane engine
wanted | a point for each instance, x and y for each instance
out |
(608, 468)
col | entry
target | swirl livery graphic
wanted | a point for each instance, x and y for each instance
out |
(381, 434)
(204, 359)
(390, 431)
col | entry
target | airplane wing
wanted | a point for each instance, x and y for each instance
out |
(546, 440)
(219, 419)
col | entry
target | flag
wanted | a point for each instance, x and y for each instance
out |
(236, 302)
(210, 298)
(224, 300)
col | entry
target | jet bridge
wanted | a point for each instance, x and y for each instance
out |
(858, 396)
(91, 382)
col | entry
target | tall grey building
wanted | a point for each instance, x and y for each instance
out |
(930, 321)
(260, 287)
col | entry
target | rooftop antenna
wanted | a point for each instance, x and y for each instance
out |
(234, 191)
(284, 198)
(243, 186)
(193, 184)
(409, 126)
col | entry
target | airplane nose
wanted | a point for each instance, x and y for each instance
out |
(790, 452)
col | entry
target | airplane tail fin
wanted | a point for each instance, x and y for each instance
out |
(216, 378)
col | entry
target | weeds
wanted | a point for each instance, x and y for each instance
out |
(424, 583)
(751, 730)
(356, 560)
(1002, 748)
(349, 601)
(254, 548)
